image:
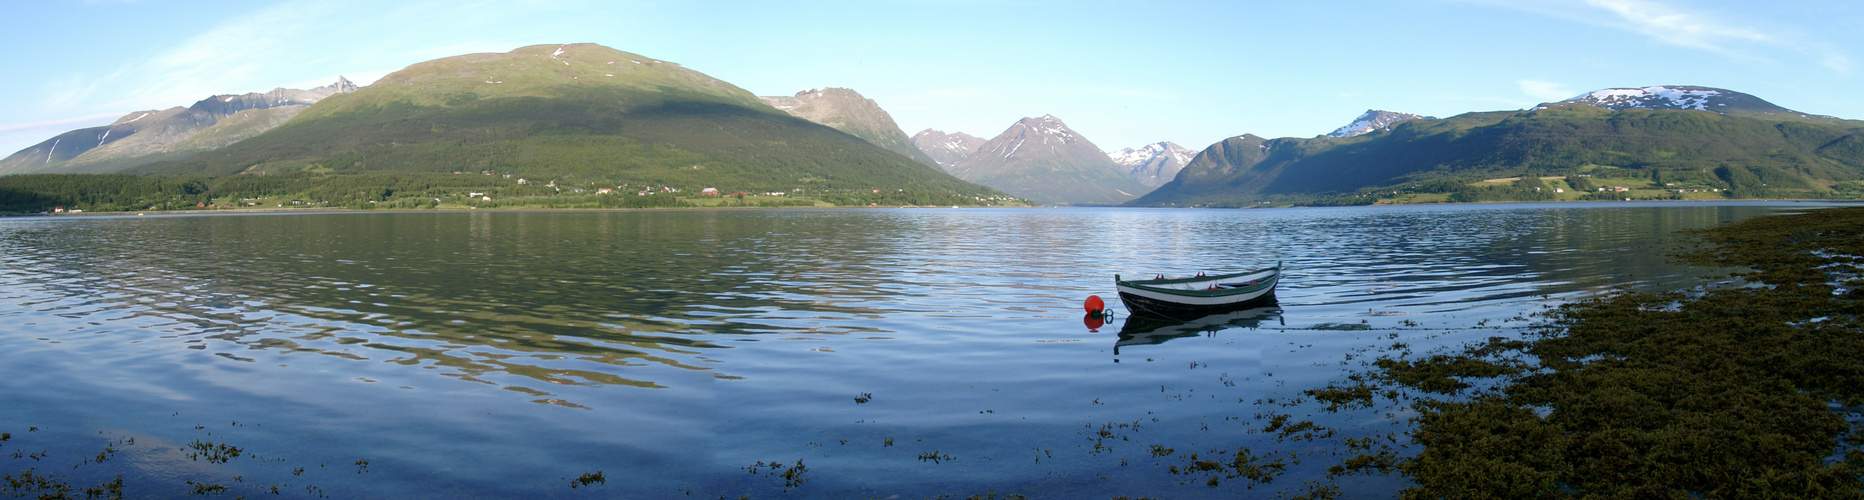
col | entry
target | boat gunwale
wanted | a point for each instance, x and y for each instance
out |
(1269, 281)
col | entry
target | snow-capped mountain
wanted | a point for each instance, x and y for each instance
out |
(947, 149)
(1153, 164)
(1372, 120)
(1685, 97)
(1041, 159)
(848, 111)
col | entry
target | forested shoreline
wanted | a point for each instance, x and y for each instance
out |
(44, 193)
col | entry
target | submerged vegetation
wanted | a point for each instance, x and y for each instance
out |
(1728, 393)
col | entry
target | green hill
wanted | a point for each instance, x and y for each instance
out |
(1566, 150)
(579, 115)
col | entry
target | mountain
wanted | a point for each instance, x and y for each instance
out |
(1683, 97)
(1043, 160)
(947, 149)
(1373, 120)
(1746, 148)
(148, 136)
(847, 111)
(1154, 164)
(580, 112)
(54, 152)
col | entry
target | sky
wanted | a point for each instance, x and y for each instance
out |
(1121, 73)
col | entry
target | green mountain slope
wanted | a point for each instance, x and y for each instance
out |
(847, 111)
(1672, 151)
(581, 114)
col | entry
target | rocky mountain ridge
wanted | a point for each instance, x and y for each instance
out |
(1154, 164)
(147, 136)
(947, 149)
(1043, 160)
(846, 110)
(1371, 121)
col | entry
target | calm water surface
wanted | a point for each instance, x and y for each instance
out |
(505, 354)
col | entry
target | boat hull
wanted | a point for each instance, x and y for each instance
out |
(1139, 300)
(1177, 297)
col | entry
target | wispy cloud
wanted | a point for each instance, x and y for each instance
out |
(1669, 25)
(1664, 23)
(232, 56)
(1545, 90)
(250, 52)
(1831, 58)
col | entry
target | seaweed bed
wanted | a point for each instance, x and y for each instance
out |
(1747, 390)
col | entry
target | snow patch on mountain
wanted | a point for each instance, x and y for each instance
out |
(1153, 164)
(946, 149)
(1657, 97)
(1372, 120)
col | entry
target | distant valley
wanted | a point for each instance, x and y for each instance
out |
(1059, 166)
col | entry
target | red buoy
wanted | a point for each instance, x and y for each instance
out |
(1095, 305)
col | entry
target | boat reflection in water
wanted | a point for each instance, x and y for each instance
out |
(1146, 328)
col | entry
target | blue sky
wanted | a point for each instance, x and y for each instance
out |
(1121, 73)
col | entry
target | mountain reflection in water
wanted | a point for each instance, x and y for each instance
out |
(491, 354)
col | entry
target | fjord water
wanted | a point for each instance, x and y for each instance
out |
(910, 352)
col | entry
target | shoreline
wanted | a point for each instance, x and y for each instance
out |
(260, 211)
(1685, 393)
(309, 211)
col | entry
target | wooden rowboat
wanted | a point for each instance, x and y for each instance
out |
(1199, 294)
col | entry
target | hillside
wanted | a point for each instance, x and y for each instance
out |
(578, 114)
(149, 136)
(1669, 153)
(847, 111)
(54, 152)
(1043, 160)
